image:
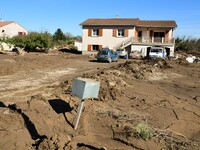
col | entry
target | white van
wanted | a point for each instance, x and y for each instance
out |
(157, 52)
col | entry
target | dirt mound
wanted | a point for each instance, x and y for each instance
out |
(121, 86)
(58, 141)
(115, 80)
(182, 61)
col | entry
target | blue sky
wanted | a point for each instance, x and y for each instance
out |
(49, 15)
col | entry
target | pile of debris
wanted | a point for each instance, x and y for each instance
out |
(116, 79)
(190, 58)
(8, 49)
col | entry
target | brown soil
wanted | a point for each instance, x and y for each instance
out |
(142, 104)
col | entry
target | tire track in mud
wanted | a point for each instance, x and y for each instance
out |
(12, 85)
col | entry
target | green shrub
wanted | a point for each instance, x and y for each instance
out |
(187, 44)
(19, 41)
(143, 131)
(1, 47)
(33, 41)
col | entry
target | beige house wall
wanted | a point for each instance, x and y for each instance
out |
(11, 30)
(134, 43)
(106, 40)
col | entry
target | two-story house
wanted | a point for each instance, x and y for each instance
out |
(132, 34)
(11, 28)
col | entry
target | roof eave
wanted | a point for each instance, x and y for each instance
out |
(158, 26)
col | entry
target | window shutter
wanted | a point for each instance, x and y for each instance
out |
(89, 32)
(126, 32)
(136, 36)
(151, 33)
(166, 36)
(114, 32)
(100, 32)
(89, 47)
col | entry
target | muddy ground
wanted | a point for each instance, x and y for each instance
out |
(144, 105)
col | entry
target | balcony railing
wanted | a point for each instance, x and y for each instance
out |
(140, 39)
(132, 40)
(154, 40)
(157, 39)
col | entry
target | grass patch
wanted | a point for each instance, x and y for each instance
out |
(143, 131)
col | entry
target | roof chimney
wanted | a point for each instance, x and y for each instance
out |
(117, 16)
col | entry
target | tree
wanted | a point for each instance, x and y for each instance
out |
(78, 38)
(59, 37)
(68, 35)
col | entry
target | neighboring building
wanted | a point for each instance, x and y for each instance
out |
(11, 28)
(78, 44)
(132, 34)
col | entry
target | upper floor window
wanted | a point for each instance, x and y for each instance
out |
(159, 34)
(140, 34)
(95, 32)
(120, 33)
(3, 31)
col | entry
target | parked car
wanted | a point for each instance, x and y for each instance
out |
(121, 52)
(157, 52)
(108, 55)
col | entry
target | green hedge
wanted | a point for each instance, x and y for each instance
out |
(35, 41)
(187, 44)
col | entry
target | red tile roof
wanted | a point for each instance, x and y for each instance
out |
(111, 22)
(157, 23)
(129, 22)
(4, 23)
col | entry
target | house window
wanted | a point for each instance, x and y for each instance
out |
(159, 34)
(95, 32)
(120, 33)
(20, 33)
(140, 34)
(3, 31)
(95, 47)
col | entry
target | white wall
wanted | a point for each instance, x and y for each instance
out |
(143, 49)
(78, 45)
(137, 48)
(11, 30)
(171, 34)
